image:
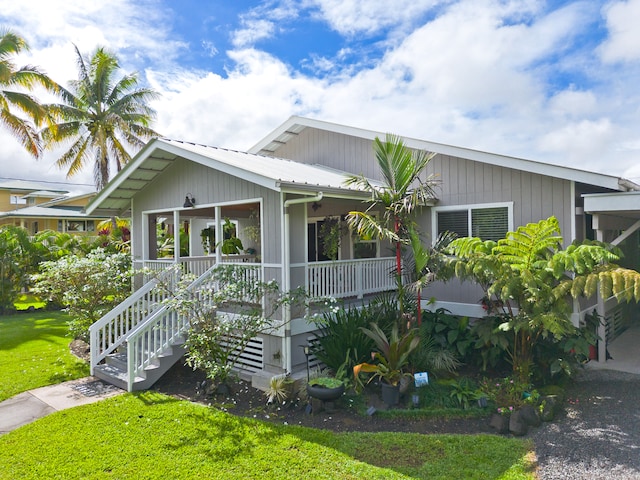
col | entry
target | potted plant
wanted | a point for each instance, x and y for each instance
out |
(392, 359)
(231, 245)
(326, 389)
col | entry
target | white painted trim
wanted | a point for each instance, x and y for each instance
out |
(572, 190)
(469, 207)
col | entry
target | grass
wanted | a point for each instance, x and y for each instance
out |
(34, 352)
(27, 301)
(149, 436)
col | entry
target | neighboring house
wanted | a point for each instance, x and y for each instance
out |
(291, 183)
(37, 207)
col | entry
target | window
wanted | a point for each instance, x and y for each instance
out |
(17, 200)
(488, 223)
(365, 247)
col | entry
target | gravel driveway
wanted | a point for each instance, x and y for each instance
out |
(599, 437)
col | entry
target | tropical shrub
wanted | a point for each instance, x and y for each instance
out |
(340, 343)
(392, 354)
(530, 277)
(15, 249)
(226, 316)
(88, 286)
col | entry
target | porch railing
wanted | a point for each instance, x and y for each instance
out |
(193, 265)
(108, 333)
(351, 278)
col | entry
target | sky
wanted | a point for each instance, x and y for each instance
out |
(552, 81)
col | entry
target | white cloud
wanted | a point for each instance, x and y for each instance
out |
(478, 73)
(623, 43)
(352, 17)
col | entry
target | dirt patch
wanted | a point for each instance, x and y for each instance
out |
(343, 416)
(80, 349)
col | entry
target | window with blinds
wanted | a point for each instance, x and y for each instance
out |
(485, 223)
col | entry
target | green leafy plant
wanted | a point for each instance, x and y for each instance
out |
(340, 343)
(529, 277)
(392, 355)
(507, 394)
(231, 245)
(88, 286)
(326, 382)
(226, 316)
(463, 390)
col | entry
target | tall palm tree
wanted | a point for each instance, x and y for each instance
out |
(15, 93)
(101, 116)
(401, 194)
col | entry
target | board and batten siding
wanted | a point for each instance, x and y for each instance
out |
(465, 182)
(535, 197)
(334, 150)
(462, 181)
(209, 187)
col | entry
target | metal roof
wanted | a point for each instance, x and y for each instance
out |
(28, 186)
(48, 212)
(270, 144)
(271, 172)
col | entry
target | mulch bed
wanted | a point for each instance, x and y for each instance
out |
(243, 400)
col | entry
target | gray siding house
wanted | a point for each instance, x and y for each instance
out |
(280, 193)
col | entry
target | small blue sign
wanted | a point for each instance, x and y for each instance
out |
(421, 379)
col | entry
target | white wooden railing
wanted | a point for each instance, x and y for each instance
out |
(351, 278)
(108, 333)
(193, 265)
(163, 329)
(147, 324)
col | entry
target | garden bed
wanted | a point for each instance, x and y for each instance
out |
(349, 414)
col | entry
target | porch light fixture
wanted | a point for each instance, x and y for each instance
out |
(315, 206)
(189, 201)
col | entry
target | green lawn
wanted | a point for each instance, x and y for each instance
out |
(34, 352)
(152, 436)
(26, 301)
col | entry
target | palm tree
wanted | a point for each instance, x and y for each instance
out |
(402, 192)
(101, 116)
(25, 79)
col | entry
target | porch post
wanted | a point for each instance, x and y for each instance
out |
(602, 330)
(176, 236)
(219, 235)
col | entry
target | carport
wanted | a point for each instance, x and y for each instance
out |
(616, 220)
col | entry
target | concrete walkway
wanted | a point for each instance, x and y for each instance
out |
(34, 404)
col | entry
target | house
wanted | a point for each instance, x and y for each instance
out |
(286, 188)
(36, 207)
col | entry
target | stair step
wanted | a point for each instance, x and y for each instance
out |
(114, 375)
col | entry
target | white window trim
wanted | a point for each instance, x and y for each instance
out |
(469, 207)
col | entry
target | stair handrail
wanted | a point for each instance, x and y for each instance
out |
(144, 345)
(107, 334)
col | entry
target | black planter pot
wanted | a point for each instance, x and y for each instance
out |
(325, 394)
(390, 394)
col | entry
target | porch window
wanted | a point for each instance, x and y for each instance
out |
(491, 222)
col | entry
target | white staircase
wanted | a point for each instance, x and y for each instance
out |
(139, 340)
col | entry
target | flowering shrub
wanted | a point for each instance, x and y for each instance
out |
(88, 286)
(508, 394)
